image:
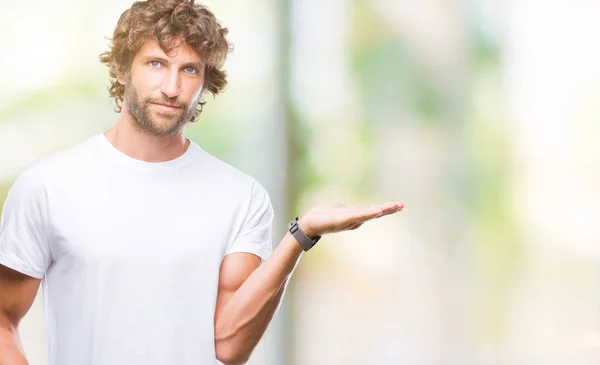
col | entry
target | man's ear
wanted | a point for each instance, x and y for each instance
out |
(121, 79)
(122, 75)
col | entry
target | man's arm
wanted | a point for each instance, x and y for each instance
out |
(249, 293)
(248, 297)
(17, 293)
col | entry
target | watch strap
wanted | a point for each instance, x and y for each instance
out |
(306, 242)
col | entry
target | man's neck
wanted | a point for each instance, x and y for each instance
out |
(143, 146)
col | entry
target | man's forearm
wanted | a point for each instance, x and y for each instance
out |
(10, 348)
(246, 316)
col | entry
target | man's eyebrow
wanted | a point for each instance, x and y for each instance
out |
(199, 65)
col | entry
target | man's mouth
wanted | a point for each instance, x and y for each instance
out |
(167, 106)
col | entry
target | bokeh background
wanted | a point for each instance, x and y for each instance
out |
(482, 116)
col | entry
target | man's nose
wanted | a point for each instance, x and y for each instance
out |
(170, 85)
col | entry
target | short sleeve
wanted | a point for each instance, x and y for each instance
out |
(24, 243)
(255, 234)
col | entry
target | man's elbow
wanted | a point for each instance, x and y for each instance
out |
(230, 355)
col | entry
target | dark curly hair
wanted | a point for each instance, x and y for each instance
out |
(167, 21)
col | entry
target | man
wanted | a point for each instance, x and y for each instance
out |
(149, 249)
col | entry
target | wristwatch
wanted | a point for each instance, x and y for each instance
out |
(306, 242)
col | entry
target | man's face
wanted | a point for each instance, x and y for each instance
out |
(162, 91)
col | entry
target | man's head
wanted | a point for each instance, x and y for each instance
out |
(167, 52)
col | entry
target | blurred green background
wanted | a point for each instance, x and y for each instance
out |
(481, 116)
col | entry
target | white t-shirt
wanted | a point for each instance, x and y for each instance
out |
(129, 251)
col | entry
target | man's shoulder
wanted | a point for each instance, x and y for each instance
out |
(228, 174)
(70, 158)
(57, 166)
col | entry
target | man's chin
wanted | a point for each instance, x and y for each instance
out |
(168, 130)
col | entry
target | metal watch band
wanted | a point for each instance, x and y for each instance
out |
(306, 242)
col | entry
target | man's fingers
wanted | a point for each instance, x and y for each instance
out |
(365, 213)
(391, 207)
(354, 216)
(384, 209)
(362, 213)
(355, 226)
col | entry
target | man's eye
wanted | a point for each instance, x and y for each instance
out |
(191, 70)
(154, 64)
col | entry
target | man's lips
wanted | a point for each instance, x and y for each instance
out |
(167, 105)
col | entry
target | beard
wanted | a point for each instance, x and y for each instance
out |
(157, 123)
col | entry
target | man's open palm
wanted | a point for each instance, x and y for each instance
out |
(330, 218)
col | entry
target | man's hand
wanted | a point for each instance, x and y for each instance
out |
(330, 218)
